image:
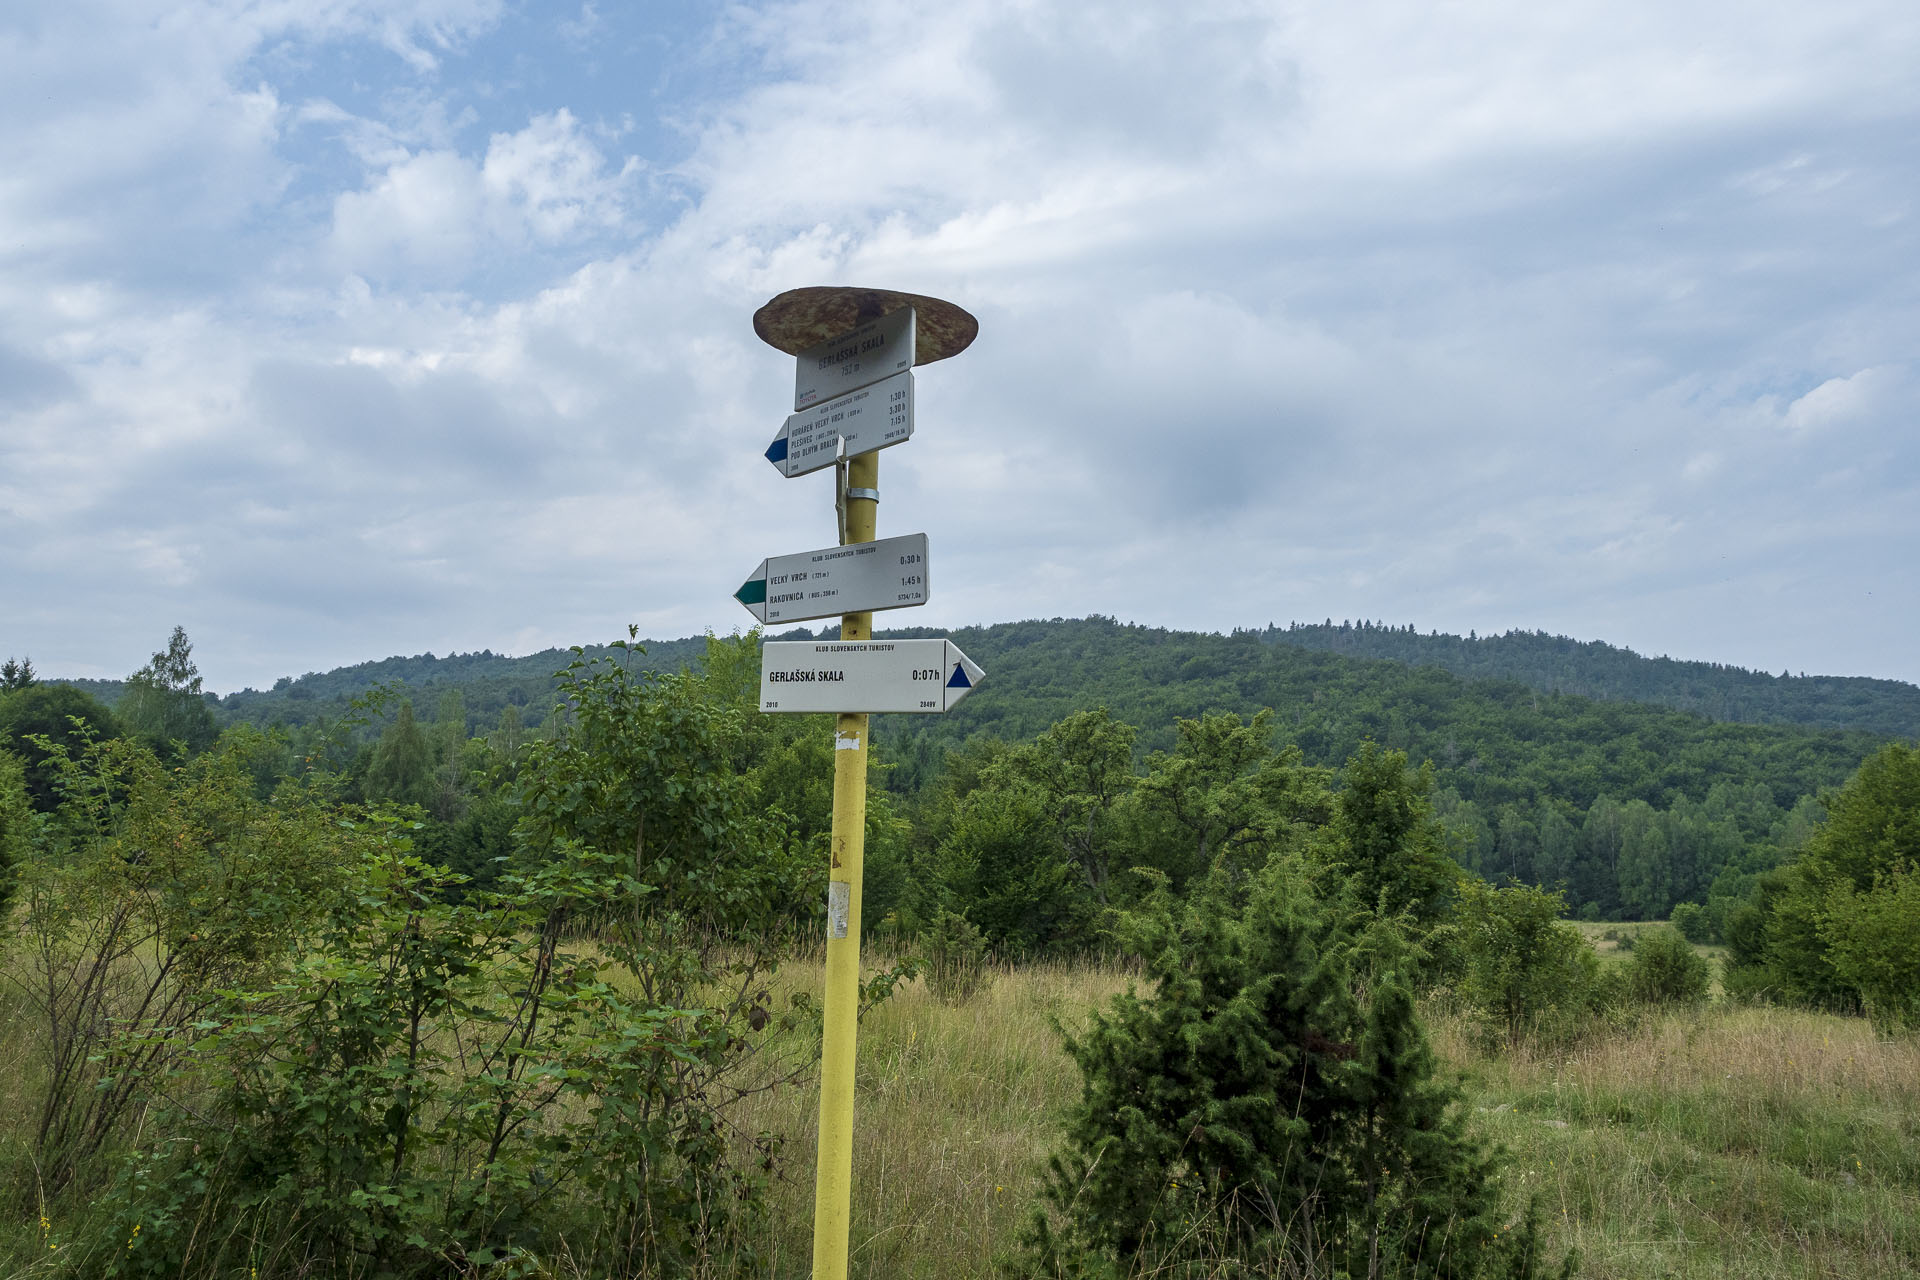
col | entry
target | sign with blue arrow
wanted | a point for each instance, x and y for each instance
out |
(868, 419)
(865, 675)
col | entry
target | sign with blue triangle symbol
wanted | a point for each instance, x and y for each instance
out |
(923, 675)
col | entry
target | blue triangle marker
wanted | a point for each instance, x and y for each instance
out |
(777, 451)
(958, 680)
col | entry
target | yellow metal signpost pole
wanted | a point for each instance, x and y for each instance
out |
(814, 324)
(833, 1174)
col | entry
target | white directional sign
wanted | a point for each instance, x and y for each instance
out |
(877, 349)
(868, 419)
(858, 578)
(864, 675)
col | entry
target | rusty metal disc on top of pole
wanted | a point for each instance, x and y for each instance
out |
(801, 318)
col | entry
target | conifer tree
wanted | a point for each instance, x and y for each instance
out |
(402, 767)
(16, 674)
(1262, 1108)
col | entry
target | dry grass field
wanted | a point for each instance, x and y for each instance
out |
(1722, 1142)
(1713, 1143)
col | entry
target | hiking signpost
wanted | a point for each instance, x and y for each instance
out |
(860, 422)
(863, 578)
(854, 352)
(874, 675)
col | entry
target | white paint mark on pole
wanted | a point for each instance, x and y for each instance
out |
(839, 907)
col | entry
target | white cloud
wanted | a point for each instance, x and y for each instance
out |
(128, 126)
(551, 179)
(1459, 315)
(425, 211)
(441, 213)
(1840, 402)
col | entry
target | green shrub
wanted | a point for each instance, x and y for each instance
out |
(956, 958)
(1266, 1110)
(1874, 941)
(1794, 936)
(432, 1086)
(1665, 969)
(1525, 973)
(166, 888)
(19, 825)
(1691, 919)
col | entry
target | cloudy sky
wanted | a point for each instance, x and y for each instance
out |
(335, 329)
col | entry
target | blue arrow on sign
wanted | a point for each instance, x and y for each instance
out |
(868, 419)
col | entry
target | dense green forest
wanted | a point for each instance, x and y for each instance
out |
(1595, 669)
(1630, 807)
(1542, 662)
(488, 682)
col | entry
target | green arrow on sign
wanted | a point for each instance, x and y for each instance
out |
(753, 592)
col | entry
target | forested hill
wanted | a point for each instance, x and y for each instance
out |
(486, 681)
(1632, 807)
(1492, 741)
(1595, 669)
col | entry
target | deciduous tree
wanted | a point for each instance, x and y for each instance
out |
(163, 705)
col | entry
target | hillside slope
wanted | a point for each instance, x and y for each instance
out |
(1493, 741)
(1595, 669)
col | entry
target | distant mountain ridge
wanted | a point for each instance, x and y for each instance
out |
(1596, 669)
(1545, 663)
(1633, 805)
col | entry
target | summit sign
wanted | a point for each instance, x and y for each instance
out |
(875, 350)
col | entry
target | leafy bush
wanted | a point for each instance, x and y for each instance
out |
(1266, 1107)
(1874, 941)
(19, 826)
(168, 886)
(40, 717)
(1691, 919)
(1665, 969)
(1831, 928)
(1003, 863)
(1526, 974)
(414, 1093)
(433, 1082)
(956, 958)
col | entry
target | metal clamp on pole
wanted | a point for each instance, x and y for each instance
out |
(870, 495)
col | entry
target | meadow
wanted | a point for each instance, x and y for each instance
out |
(1722, 1141)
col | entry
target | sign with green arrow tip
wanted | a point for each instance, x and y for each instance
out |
(861, 577)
